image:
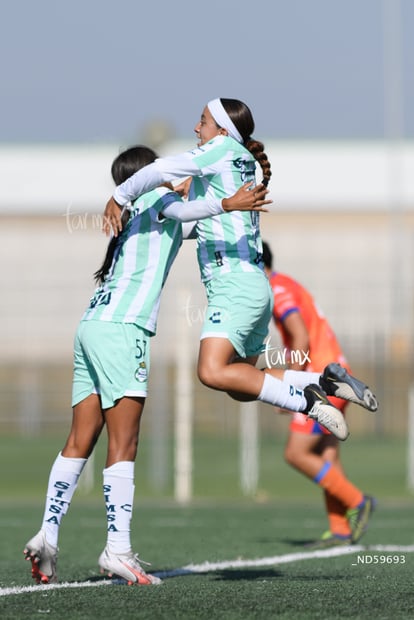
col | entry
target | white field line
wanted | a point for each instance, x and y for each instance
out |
(52, 586)
(209, 567)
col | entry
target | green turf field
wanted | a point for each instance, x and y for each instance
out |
(172, 538)
(225, 556)
(375, 464)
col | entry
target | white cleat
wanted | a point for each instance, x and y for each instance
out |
(320, 410)
(43, 558)
(127, 566)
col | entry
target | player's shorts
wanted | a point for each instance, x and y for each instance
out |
(110, 359)
(239, 309)
(300, 423)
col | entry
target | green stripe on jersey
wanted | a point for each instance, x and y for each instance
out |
(231, 241)
(143, 257)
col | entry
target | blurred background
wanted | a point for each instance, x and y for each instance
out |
(331, 87)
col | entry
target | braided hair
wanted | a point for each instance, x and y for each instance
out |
(242, 117)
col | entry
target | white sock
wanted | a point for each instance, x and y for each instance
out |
(301, 378)
(63, 480)
(281, 394)
(118, 486)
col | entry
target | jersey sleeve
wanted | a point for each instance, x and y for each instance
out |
(284, 302)
(171, 206)
(192, 210)
(149, 177)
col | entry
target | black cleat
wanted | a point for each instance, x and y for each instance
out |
(358, 517)
(336, 381)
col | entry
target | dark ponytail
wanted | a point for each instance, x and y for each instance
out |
(242, 117)
(124, 166)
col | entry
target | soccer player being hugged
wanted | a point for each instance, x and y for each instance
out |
(112, 365)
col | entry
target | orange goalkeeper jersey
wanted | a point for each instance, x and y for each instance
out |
(290, 296)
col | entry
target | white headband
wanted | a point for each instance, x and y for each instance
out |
(223, 119)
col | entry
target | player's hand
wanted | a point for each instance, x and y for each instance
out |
(183, 188)
(247, 199)
(112, 218)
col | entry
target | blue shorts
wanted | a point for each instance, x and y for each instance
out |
(239, 309)
(110, 359)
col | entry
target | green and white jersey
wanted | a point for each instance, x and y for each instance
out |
(227, 242)
(143, 256)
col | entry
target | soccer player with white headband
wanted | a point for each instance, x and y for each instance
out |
(223, 119)
(229, 250)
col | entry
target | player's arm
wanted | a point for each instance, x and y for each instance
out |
(163, 170)
(298, 336)
(151, 176)
(245, 199)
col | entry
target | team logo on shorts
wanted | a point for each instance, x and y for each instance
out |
(215, 317)
(141, 373)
